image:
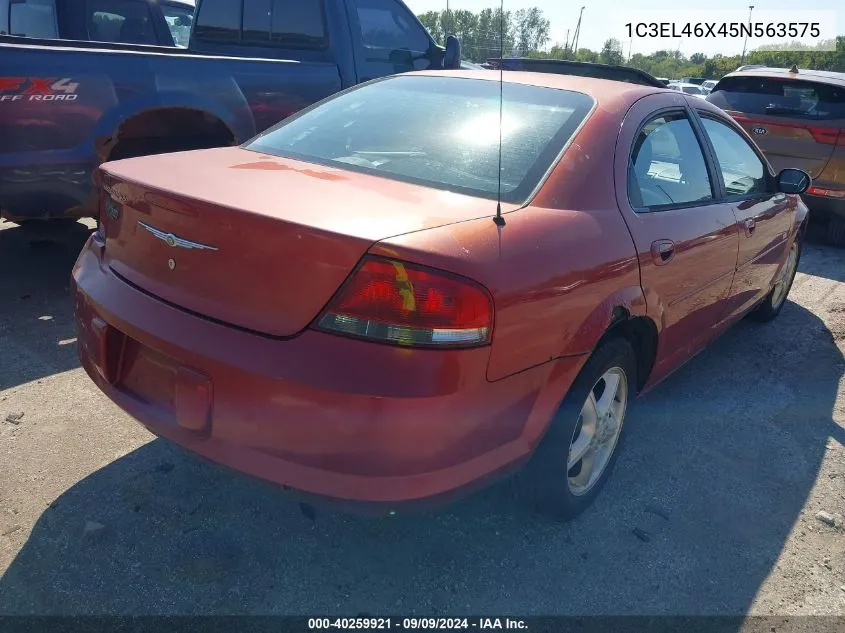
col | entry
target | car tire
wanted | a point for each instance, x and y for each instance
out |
(549, 484)
(836, 231)
(776, 299)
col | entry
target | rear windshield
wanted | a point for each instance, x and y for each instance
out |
(441, 132)
(780, 97)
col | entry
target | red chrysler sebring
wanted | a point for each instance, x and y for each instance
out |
(335, 306)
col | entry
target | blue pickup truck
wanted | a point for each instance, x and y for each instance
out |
(67, 105)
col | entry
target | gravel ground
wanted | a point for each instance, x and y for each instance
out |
(724, 471)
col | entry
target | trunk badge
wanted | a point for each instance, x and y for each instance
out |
(759, 130)
(175, 241)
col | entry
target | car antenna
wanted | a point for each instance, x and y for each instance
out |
(499, 219)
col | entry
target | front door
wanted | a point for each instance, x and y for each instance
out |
(686, 238)
(764, 215)
(389, 39)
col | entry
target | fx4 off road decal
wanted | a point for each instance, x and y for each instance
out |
(37, 89)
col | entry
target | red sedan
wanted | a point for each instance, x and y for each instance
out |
(335, 306)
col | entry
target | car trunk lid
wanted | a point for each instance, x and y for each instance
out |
(252, 240)
(789, 144)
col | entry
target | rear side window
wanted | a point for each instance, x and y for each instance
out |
(120, 21)
(780, 97)
(298, 24)
(387, 24)
(33, 18)
(742, 170)
(667, 165)
(439, 132)
(219, 21)
(283, 23)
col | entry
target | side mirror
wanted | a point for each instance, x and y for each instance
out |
(793, 181)
(452, 56)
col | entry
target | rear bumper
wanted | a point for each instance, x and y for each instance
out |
(825, 206)
(322, 414)
(47, 192)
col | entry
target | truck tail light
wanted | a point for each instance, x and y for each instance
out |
(404, 304)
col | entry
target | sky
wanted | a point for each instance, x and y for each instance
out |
(607, 18)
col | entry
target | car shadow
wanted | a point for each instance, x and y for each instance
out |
(718, 464)
(37, 332)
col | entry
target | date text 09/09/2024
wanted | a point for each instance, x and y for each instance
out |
(412, 624)
(723, 29)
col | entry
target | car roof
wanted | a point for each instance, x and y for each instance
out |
(604, 91)
(822, 76)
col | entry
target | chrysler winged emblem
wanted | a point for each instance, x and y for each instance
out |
(175, 241)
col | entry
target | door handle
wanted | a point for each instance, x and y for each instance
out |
(662, 251)
(750, 225)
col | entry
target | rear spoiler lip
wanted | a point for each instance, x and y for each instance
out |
(519, 63)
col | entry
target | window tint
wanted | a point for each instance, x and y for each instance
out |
(298, 23)
(742, 170)
(667, 165)
(120, 21)
(179, 19)
(33, 18)
(219, 21)
(386, 24)
(439, 132)
(780, 97)
(256, 25)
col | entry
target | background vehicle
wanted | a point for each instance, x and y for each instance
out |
(707, 86)
(697, 81)
(179, 15)
(689, 89)
(66, 106)
(797, 117)
(368, 234)
(664, 80)
(127, 21)
(580, 69)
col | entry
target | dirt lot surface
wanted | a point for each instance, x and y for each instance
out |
(725, 468)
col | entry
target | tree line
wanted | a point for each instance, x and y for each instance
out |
(525, 33)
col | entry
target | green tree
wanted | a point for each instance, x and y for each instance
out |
(531, 29)
(611, 52)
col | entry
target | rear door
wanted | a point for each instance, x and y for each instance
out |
(794, 121)
(764, 215)
(686, 237)
(389, 39)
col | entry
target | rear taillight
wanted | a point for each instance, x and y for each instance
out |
(826, 135)
(404, 304)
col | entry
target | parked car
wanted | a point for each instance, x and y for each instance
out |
(664, 80)
(690, 89)
(339, 307)
(707, 86)
(580, 69)
(127, 21)
(797, 117)
(66, 106)
(179, 15)
(697, 81)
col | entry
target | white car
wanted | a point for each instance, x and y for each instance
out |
(690, 89)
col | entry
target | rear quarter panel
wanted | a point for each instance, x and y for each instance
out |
(558, 267)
